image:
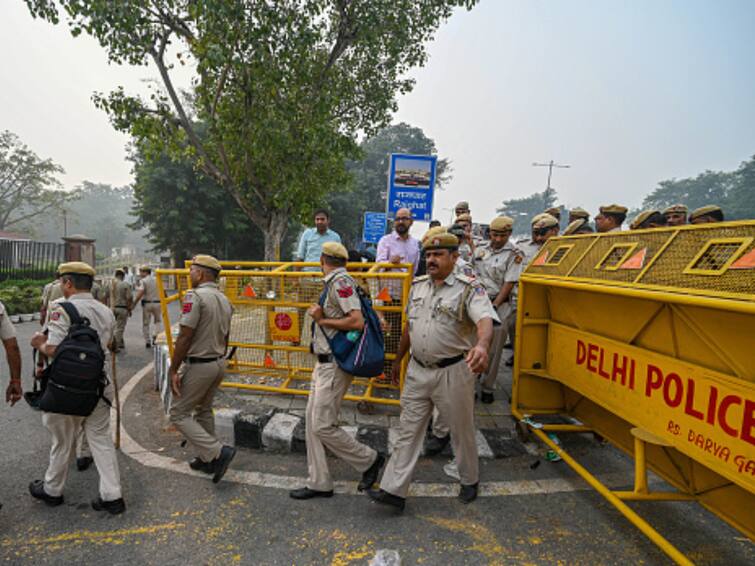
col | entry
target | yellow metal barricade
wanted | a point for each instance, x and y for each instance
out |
(647, 338)
(271, 331)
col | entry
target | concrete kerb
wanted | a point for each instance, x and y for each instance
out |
(131, 448)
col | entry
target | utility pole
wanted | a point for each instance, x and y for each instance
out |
(550, 165)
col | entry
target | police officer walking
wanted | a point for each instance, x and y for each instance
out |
(198, 366)
(121, 300)
(342, 311)
(76, 280)
(449, 333)
(498, 265)
(147, 294)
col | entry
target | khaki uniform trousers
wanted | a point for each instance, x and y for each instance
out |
(150, 313)
(451, 390)
(82, 446)
(329, 385)
(191, 413)
(65, 430)
(121, 318)
(500, 333)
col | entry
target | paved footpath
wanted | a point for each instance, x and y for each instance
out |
(540, 515)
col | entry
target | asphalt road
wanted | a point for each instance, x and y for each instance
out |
(176, 518)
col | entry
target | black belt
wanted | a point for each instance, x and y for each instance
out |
(120, 307)
(149, 301)
(193, 360)
(444, 363)
(325, 358)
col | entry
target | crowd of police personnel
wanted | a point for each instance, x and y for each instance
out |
(459, 314)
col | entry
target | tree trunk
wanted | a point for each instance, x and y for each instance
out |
(275, 230)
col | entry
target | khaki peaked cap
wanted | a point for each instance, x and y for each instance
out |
(334, 249)
(439, 241)
(206, 261)
(501, 223)
(76, 268)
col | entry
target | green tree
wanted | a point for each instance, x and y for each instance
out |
(186, 213)
(29, 185)
(740, 202)
(523, 209)
(283, 88)
(370, 176)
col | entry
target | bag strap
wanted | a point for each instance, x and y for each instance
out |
(72, 312)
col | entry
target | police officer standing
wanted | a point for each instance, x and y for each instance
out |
(544, 226)
(76, 280)
(610, 218)
(342, 311)
(198, 366)
(449, 333)
(676, 215)
(498, 265)
(121, 301)
(13, 356)
(147, 294)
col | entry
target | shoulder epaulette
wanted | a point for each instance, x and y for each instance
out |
(420, 279)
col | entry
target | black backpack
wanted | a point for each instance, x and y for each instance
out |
(75, 380)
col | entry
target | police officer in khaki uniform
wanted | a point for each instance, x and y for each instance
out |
(554, 211)
(706, 214)
(76, 280)
(578, 213)
(449, 333)
(469, 242)
(342, 311)
(50, 293)
(676, 215)
(648, 219)
(611, 218)
(13, 356)
(498, 265)
(147, 294)
(544, 226)
(121, 301)
(198, 366)
(578, 226)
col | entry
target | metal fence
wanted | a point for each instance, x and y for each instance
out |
(25, 259)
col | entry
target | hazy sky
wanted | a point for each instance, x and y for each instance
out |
(628, 93)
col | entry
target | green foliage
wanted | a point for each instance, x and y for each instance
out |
(283, 88)
(188, 213)
(733, 191)
(523, 209)
(28, 183)
(21, 296)
(369, 177)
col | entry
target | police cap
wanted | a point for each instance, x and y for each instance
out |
(76, 268)
(334, 249)
(206, 261)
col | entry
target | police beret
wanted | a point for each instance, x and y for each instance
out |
(443, 240)
(613, 209)
(433, 231)
(704, 210)
(676, 209)
(554, 211)
(640, 218)
(463, 204)
(501, 223)
(334, 249)
(546, 221)
(76, 268)
(538, 217)
(464, 217)
(206, 261)
(579, 213)
(574, 226)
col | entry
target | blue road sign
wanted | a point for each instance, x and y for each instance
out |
(411, 183)
(374, 227)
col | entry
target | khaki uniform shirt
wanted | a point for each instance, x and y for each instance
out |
(529, 248)
(341, 299)
(464, 268)
(443, 318)
(7, 330)
(100, 318)
(99, 292)
(208, 312)
(149, 284)
(120, 294)
(498, 266)
(51, 292)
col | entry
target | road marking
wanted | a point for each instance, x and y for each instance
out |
(93, 536)
(134, 450)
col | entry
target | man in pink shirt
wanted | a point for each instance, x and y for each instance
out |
(398, 246)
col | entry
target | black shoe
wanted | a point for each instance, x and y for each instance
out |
(370, 475)
(220, 464)
(83, 463)
(468, 493)
(201, 466)
(114, 507)
(436, 444)
(148, 345)
(510, 362)
(37, 490)
(487, 397)
(306, 493)
(508, 346)
(385, 498)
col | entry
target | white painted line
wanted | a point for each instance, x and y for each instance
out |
(134, 450)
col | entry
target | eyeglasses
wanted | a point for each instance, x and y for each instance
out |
(402, 219)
